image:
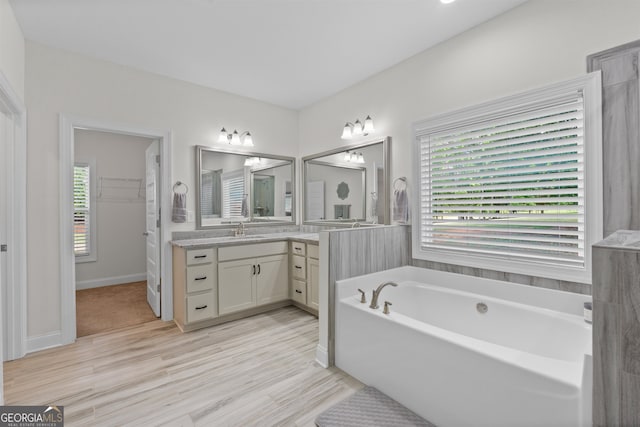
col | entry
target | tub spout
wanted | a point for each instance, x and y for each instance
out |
(376, 294)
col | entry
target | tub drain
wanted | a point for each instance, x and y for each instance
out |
(482, 307)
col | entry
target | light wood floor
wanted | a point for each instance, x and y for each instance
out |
(256, 371)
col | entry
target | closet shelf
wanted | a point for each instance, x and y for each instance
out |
(121, 189)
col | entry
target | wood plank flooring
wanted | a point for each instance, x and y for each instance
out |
(258, 371)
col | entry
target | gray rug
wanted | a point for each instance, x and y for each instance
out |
(369, 407)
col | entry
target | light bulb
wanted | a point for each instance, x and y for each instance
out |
(222, 137)
(346, 132)
(248, 140)
(235, 138)
(357, 128)
(368, 125)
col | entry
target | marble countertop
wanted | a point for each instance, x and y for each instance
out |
(313, 238)
(621, 239)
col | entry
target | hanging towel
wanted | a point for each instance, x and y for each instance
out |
(400, 206)
(244, 211)
(179, 209)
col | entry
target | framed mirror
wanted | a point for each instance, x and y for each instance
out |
(347, 184)
(234, 186)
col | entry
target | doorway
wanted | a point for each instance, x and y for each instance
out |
(13, 229)
(110, 236)
(68, 127)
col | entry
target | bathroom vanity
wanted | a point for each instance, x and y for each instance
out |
(221, 279)
(305, 272)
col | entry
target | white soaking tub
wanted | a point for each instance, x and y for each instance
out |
(526, 361)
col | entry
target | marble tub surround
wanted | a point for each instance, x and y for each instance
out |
(522, 279)
(354, 252)
(616, 330)
(620, 134)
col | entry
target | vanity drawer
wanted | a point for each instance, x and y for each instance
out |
(298, 267)
(298, 248)
(200, 278)
(313, 251)
(299, 291)
(201, 307)
(251, 251)
(199, 256)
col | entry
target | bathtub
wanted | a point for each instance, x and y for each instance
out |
(526, 361)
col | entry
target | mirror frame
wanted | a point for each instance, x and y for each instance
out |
(386, 162)
(201, 148)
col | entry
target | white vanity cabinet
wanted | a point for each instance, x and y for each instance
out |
(252, 275)
(304, 273)
(313, 276)
(195, 280)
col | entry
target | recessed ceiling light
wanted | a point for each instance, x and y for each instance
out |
(446, 1)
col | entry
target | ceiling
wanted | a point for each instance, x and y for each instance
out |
(290, 53)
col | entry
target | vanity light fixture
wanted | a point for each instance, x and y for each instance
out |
(234, 138)
(354, 157)
(252, 161)
(357, 128)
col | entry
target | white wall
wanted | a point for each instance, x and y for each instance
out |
(538, 43)
(11, 48)
(120, 214)
(59, 81)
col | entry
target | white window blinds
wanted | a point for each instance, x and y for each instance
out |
(232, 193)
(81, 210)
(509, 185)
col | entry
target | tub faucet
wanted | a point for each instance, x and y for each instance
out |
(376, 294)
(355, 225)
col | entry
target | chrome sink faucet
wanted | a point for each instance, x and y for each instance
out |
(240, 231)
(376, 294)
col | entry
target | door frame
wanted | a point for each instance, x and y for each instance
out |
(68, 123)
(16, 179)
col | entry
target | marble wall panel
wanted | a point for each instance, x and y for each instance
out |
(358, 251)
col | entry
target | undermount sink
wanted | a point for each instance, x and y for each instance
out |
(251, 236)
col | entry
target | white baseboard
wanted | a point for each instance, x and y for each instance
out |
(108, 281)
(41, 342)
(322, 356)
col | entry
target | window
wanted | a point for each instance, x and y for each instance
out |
(514, 185)
(83, 216)
(232, 193)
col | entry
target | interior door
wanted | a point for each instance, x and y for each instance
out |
(315, 201)
(4, 142)
(152, 231)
